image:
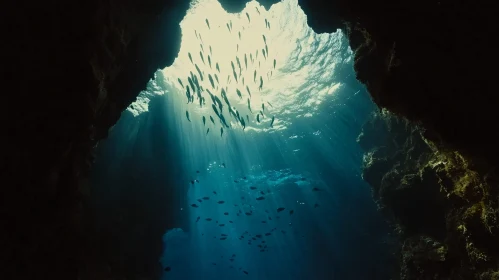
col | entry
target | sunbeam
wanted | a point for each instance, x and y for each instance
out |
(265, 153)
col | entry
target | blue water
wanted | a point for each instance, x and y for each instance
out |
(335, 232)
(164, 174)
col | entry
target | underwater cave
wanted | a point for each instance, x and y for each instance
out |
(246, 146)
(235, 139)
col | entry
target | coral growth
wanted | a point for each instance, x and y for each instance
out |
(443, 208)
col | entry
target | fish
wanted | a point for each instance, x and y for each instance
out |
(211, 81)
(202, 49)
(245, 272)
(263, 107)
(197, 219)
(209, 61)
(187, 115)
(226, 213)
(280, 209)
(216, 78)
(188, 94)
(191, 83)
(208, 23)
(246, 61)
(266, 50)
(291, 212)
(261, 83)
(263, 52)
(239, 64)
(215, 110)
(194, 205)
(199, 200)
(168, 269)
(272, 122)
(221, 202)
(316, 205)
(209, 219)
(270, 104)
(218, 67)
(204, 120)
(264, 38)
(210, 51)
(258, 118)
(180, 82)
(260, 198)
(249, 106)
(247, 118)
(239, 93)
(247, 15)
(316, 189)
(249, 92)
(223, 238)
(254, 76)
(228, 27)
(214, 192)
(221, 225)
(205, 198)
(212, 120)
(257, 10)
(199, 71)
(268, 23)
(252, 188)
(274, 63)
(235, 75)
(190, 57)
(221, 131)
(201, 55)
(239, 35)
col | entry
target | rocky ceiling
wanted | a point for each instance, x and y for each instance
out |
(70, 68)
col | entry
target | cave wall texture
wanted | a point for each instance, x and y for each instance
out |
(72, 67)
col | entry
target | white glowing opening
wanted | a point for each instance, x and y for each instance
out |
(302, 78)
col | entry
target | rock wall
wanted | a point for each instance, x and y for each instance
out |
(443, 209)
(71, 68)
(427, 61)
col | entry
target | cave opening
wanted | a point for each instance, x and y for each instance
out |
(241, 160)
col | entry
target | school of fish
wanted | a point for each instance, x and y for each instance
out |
(203, 81)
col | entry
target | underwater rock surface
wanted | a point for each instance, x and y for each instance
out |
(444, 211)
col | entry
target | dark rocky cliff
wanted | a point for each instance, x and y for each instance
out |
(73, 67)
(444, 210)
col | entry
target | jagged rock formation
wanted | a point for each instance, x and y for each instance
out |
(444, 210)
(423, 61)
(75, 66)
